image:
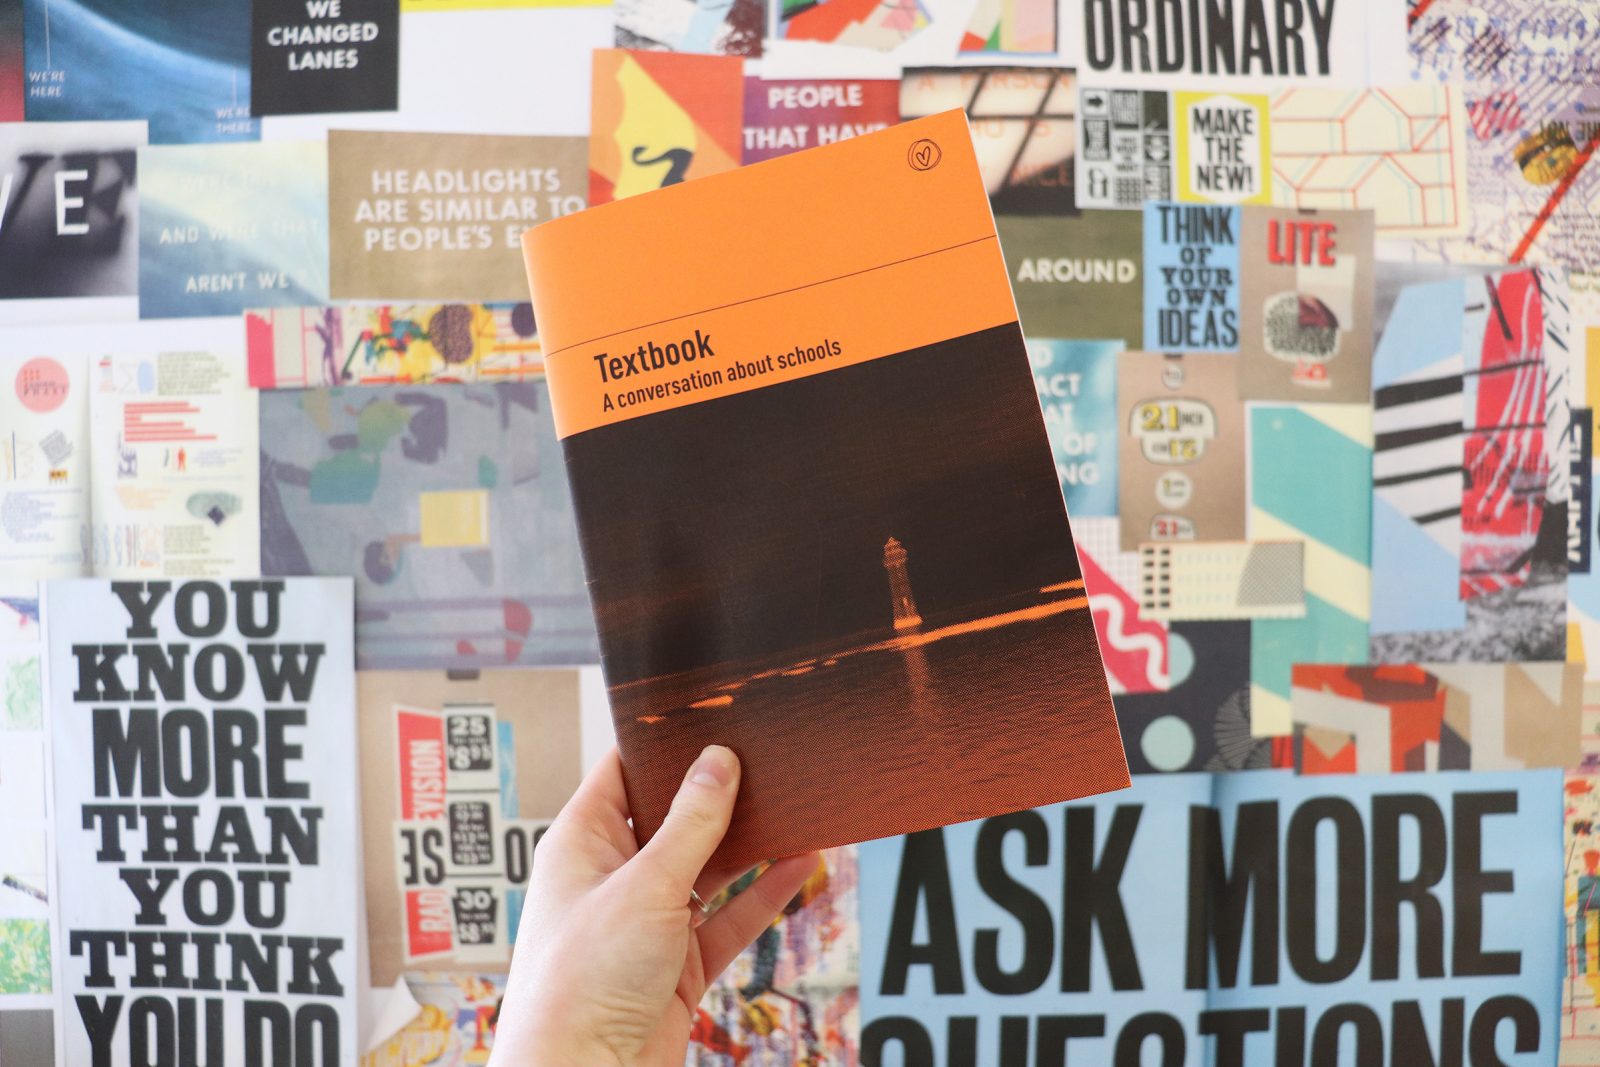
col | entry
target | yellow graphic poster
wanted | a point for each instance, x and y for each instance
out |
(660, 118)
(1224, 151)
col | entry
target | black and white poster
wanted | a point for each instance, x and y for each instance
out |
(69, 209)
(203, 736)
(316, 56)
(1124, 148)
(1237, 920)
(1236, 43)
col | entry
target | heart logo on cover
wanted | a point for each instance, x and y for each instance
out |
(924, 155)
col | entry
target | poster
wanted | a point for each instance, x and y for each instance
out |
(455, 1028)
(1418, 410)
(1234, 919)
(440, 216)
(1224, 147)
(448, 503)
(1199, 720)
(1495, 46)
(1237, 43)
(391, 344)
(184, 68)
(1307, 305)
(1469, 512)
(719, 27)
(1077, 385)
(219, 717)
(44, 467)
(175, 461)
(1181, 450)
(1409, 717)
(27, 870)
(1580, 1002)
(1013, 28)
(1296, 452)
(1583, 542)
(1531, 180)
(1079, 277)
(1217, 581)
(787, 115)
(229, 227)
(1399, 152)
(1191, 277)
(494, 5)
(660, 118)
(871, 26)
(792, 997)
(309, 56)
(71, 224)
(458, 767)
(1529, 75)
(1505, 496)
(1023, 122)
(1134, 650)
(1124, 147)
(13, 75)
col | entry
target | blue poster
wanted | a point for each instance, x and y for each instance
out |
(185, 67)
(226, 228)
(449, 503)
(1191, 278)
(969, 953)
(1417, 381)
(1217, 921)
(1077, 384)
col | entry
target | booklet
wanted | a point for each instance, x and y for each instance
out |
(128, 466)
(818, 510)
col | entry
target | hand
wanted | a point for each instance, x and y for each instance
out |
(611, 961)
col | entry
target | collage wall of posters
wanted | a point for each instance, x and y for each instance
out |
(1310, 293)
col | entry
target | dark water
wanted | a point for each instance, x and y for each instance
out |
(886, 735)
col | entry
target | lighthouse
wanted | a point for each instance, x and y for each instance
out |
(900, 599)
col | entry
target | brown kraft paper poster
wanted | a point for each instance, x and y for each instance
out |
(1180, 463)
(1305, 305)
(440, 216)
(542, 707)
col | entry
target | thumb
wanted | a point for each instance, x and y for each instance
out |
(696, 822)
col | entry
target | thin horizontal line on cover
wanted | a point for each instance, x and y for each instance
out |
(801, 265)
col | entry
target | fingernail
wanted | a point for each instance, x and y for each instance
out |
(714, 767)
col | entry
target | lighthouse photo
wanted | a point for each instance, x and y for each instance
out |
(900, 599)
(863, 577)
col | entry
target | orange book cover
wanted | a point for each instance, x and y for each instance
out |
(819, 515)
